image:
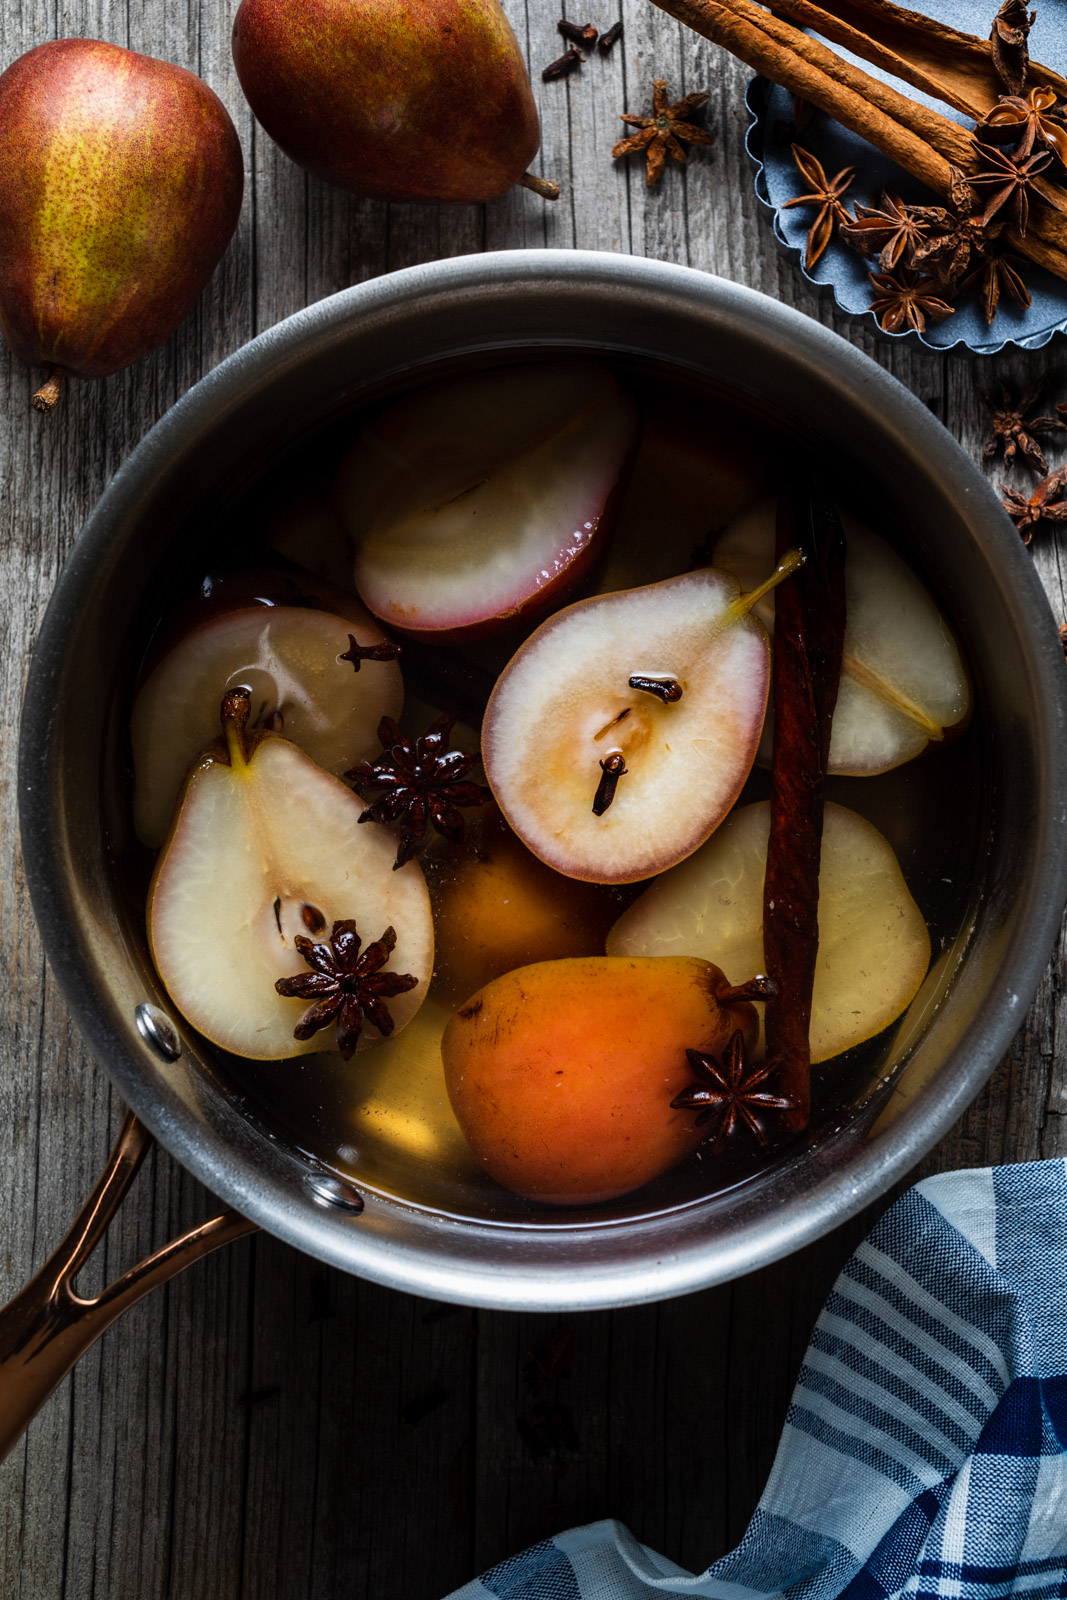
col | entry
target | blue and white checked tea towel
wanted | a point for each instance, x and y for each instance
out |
(925, 1449)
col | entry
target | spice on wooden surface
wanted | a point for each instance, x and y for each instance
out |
(610, 37)
(565, 64)
(1047, 503)
(577, 32)
(809, 629)
(1014, 425)
(665, 131)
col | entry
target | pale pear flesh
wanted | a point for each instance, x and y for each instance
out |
(874, 948)
(288, 657)
(903, 680)
(476, 497)
(252, 846)
(564, 704)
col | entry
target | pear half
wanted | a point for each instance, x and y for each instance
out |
(903, 681)
(874, 949)
(266, 847)
(289, 658)
(568, 708)
(481, 500)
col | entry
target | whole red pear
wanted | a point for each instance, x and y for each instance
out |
(395, 99)
(120, 186)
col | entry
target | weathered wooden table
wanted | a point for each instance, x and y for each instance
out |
(264, 1427)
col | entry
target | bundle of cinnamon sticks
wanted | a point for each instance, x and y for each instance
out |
(956, 68)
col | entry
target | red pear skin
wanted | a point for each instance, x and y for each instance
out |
(120, 187)
(427, 100)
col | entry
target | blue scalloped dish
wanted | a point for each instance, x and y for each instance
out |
(842, 271)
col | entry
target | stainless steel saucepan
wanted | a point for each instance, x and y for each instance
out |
(428, 1223)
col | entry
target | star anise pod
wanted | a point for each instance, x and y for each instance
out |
(960, 194)
(1014, 427)
(998, 275)
(384, 650)
(955, 240)
(345, 985)
(730, 1090)
(826, 194)
(423, 780)
(1010, 181)
(1008, 41)
(1048, 503)
(907, 301)
(894, 230)
(1027, 120)
(665, 132)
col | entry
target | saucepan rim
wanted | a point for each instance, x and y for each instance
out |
(448, 1258)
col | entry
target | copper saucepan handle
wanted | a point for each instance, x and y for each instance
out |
(45, 1329)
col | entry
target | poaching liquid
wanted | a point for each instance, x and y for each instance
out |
(383, 1118)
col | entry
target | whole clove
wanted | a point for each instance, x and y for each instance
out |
(612, 768)
(577, 32)
(567, 63)
(663, 685)
(610, 37)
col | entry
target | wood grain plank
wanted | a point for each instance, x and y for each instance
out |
(145, 1476)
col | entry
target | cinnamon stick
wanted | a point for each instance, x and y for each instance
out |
(952, 66)
(900, 127)
(809, 631)
(922, 141)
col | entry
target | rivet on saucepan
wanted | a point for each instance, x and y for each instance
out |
(326, 1190)
(157, 1030)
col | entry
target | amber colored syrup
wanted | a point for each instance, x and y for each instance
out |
(384, 1118)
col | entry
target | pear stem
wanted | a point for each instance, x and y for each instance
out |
(235, 712)
(47, 397)
(790, 563)
(542, 186)
(758, 988)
